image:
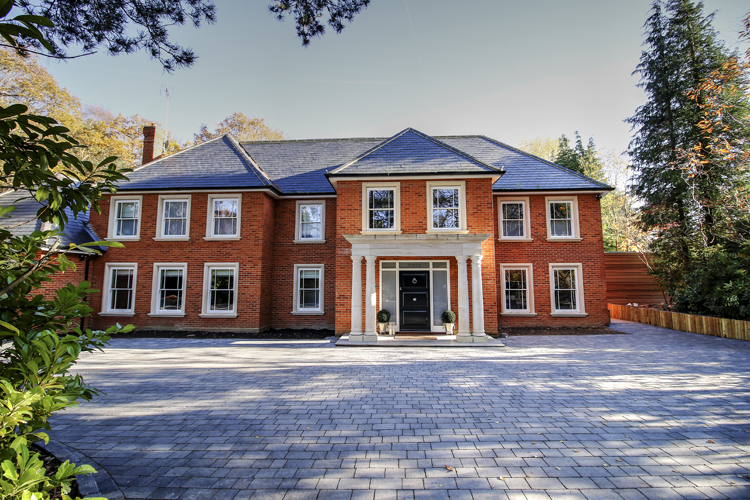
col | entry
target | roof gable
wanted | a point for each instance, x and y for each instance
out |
(411, 152)
(219, 163)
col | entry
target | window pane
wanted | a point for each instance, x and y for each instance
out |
(175, 209)
(225, 226)
(390, 289)
(309, 299)
(381, 219)
(221, 300)
(444, 198)
(127, 227)
(309, 289)
(225, 208)
(513, 211)
(381, 198)
(512, 219)
(565, 289)
(512, 228)
(121, 299)
(515, 289)
(175, 227)
(562, 228)
(439, 295)
(122, 278)
(121, 289)
(311, 213)
(127, 209)
(561, 211)
(442, 218)
(310, 230)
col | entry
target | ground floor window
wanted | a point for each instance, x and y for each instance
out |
(168, 293)
(517, 289)
(119, 288)
(567, 288)
(308, 289)
(220, 289)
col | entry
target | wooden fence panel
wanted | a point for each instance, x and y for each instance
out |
(628, 280)
(693, 323)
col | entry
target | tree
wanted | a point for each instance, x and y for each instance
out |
(127, 26)
(689, 156)
(241, 127)
(578, 158)
(543, 147)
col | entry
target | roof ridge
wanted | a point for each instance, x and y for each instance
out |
(325, 139)
(559, 167)
(257, 170)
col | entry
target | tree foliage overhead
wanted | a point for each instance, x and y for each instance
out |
(241, 128)
(309, 15)
(690, 155)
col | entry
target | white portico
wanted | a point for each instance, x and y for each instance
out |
(428, 246)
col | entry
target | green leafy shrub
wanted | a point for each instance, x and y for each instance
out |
(448, 316)
(383, 316)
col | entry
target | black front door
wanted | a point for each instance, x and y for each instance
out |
(414, 294)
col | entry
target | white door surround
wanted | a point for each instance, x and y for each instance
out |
(428, 246)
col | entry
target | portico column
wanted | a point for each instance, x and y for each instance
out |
(356, 333)
(477, 299)
(464, 332)
(370, 300)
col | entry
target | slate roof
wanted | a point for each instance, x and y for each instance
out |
(219, 163)
(411, 152)
(76, 230)
(296, 167)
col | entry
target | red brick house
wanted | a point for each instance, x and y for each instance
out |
(324, 233)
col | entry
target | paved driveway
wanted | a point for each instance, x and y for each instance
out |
(653, 414)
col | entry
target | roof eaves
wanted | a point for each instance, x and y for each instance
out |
(559, 167)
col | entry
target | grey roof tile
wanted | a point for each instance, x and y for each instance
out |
(23, 221)
(411, 152)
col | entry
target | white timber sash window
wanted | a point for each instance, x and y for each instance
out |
(223, 217)
(514, 219)
(125, 217)
(308, 289)
(381, 207)
(310, 222)
(518, 290)
(562, 218)
(446, 207)
(566, 286)
(220, 290)
(168, 292)
(119, 289)
(173, 222)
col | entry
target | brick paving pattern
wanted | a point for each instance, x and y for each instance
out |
(655, 414)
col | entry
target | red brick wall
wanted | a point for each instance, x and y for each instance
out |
(286, 254)
(540, 253)
(253, 285)
(413, 221)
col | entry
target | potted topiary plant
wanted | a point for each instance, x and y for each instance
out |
(383, 318)
(449, 319)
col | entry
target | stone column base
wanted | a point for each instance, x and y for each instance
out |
(468, 339)
(363, 337)
(478, 339)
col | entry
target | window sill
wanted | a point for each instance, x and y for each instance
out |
(521, 240)
(372, 233)
(564, 239)
(167, 315)
(218, 315)
(176, 238)
(310, 241)
(518, 314)
(447, 231)
(221, 238)
(123, 238)
(124, 313)
(568, 315)
(308, 313)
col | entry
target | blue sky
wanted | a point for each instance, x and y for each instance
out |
(508, 70)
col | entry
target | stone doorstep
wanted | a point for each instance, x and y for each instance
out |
(444, 341)
(94, 485)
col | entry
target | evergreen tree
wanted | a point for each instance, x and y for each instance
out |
(578, 158)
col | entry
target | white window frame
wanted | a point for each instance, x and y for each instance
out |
(295, 305)
(524, 201)
(529, 311)
(111, 231)
(461, 186)
(298, 221)
(207, 268)
(580, 311)
(164, 266)
(160, 218)
(575, 226)
(396, 188)
(210, 221)
(106, 301)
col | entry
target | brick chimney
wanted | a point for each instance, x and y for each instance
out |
(153, 143)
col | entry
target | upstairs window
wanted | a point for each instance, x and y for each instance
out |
(514, 219)
(174, 218)
(310, 222)
(125, 217)
(381, 207)
(446, 207)
(562, 218)
(223, 217)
